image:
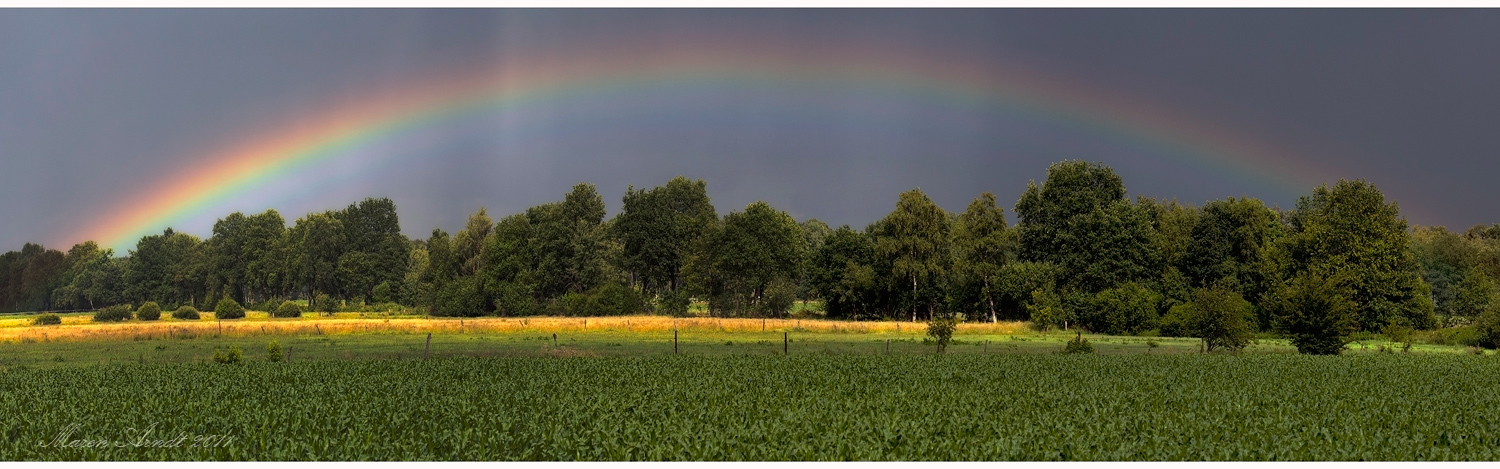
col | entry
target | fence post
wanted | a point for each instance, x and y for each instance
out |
(784, 341)
(887, 346)
(554, 339)
(986, 345)
(428, 351)
(221, 325)
(674, 341)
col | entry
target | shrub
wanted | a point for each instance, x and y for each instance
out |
(1487, 329)
(1126, 309)
(940, 329)
(229, 356)
(1313, 311)
(113, 314)
(273, 352)
(381, 293)
(674, 303)
(48, 319)
(288, 309)
(187, 313)
(228, 309)
(1078, 345)
(1176, 322)
(514, 299)
(1221, 318)
(325, 304)
(459, 297)
(149, 311)
(1046, 310)
(779, 296)
(615, 299)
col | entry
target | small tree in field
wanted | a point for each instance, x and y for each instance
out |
(1221, 318)
(228, 309)
(1313, 311)
(288, 309)
(149, 311)
(940, 329)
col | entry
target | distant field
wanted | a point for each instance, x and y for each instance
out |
(764, 407)
(346, 336)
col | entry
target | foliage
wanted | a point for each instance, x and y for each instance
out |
(940, 329)
(735, 261)
(187, 313)
(1487, 329)
(1474, 294)
(288, 309)
(324, 304)
(273, 352)
(1127, 309)
(915, 239)
(113, 313)
(1079, 220)
(657, 227)
(1352, 230)
(1220, 317)
(48, 319)
(673, 303)
(843, 273)
(459, 297)
(1314, 312)
(1046, 310)
(149, 311)
(1078, 345)
(1229, 244)
(229, 356)
(984, 247)
(228, 309)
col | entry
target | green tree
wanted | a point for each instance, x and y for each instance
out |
(1230, 242)
(984, 246)
(658, 227)
(915, 240)
(841, 272)
(735, 262)
(321, 242)
(1079, 220)
(1126, 309)
(1313, 310)
(1350, 229)
(1221, 317)
(1474, 295)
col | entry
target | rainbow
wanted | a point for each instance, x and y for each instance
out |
(944, 81)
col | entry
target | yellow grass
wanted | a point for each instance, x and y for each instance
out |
(258, 323)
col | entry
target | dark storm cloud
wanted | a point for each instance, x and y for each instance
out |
(97, 103)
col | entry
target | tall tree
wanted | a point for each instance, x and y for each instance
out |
(915, 239)
(1079, 220)
(320, 237)
(751, 250)
(1350, 229)
(658, 227)
(842, 271)
(984, 245)
(1229, 244)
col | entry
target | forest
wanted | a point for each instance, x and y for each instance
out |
(1079, 254)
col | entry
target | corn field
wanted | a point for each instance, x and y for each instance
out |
(809, 407)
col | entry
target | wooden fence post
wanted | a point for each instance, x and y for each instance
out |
(554, 339)
(428, 351)
(221, 325)
(887, 346)
(784, 341)
(674, 341)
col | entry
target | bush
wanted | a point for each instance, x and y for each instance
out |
(1176, 322)
(288, 309)
(186, 313)
(48, 319)
(114, 313)
(514, 299)
(778, 297)
(674, 303)
(459, 297)
(1221, 318)
(1126, 309)
(1487, 329)
(381, 293)
(228, 309)
(149, 311)
(940, 329)
(229, 356)
(325, 304)
(273, 352)
(614, 299)
(1046, 310)
(1313, 311)
(1078, 345)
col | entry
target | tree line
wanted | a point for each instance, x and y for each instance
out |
(1079, 254)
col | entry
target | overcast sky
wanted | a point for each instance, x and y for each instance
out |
(97, 105)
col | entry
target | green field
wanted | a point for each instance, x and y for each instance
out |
(768, 407)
